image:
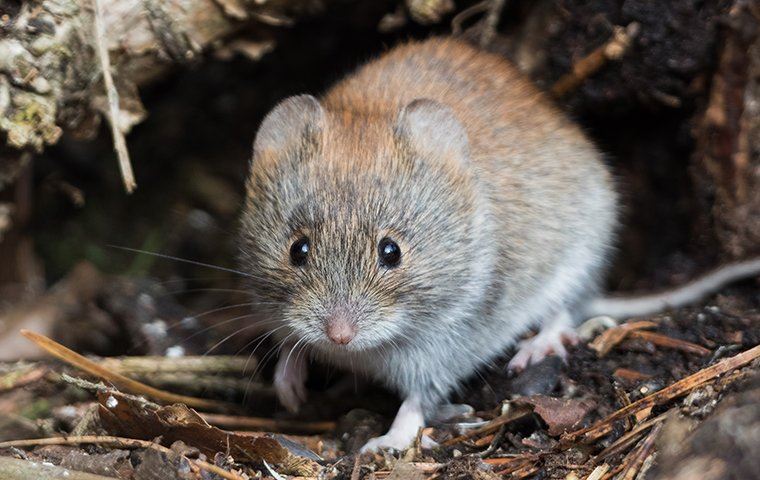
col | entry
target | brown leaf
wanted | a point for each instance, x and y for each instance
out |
(124, 416)
(560, 414)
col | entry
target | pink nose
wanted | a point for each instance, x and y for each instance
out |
(340, 327)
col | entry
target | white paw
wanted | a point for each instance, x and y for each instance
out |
(547, 342)
(396, 442)
(290, 384)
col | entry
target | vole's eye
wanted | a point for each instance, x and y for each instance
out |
(299, 251)
(389, 252)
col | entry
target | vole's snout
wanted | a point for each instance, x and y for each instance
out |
(340, 326)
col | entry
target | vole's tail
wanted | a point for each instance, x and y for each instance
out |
(692, 292)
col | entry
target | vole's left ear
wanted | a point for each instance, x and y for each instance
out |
(432, 128)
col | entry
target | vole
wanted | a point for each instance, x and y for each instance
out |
(422, 215)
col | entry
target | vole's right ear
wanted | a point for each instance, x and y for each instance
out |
(295, 121)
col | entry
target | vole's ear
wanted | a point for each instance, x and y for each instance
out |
(293, 122)
(432, 128)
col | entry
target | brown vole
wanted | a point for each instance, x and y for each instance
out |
(421, 216)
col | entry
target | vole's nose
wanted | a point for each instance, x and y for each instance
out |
(339, 326)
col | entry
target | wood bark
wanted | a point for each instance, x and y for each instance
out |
(726, 162)
(723, 446)
(50, 76)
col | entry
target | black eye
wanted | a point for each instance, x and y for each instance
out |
(390, 253)
(299, 251)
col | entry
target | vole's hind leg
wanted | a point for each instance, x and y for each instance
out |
(290, 378)
(552, 338)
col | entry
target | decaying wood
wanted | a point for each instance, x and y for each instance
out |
(726, 162)
(49, 62)
(723, 446)
(117, 442)
(15, 469)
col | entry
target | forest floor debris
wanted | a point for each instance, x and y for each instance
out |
(604, 416)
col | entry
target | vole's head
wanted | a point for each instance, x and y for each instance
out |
(358, 228)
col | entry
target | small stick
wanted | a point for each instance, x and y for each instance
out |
(614, 49)
(357, 470)
(669, 342)
(484, 441)
(677, 389)
(194, 384)
(466, 14)
(72, 358)
(630, 375)
(642, 454)
(189, 364)
(510, 460)
(598, 472)
(496, 441)
(512, 414)
(119, 142)
(610, 338)
(118, 442)
(630, 437)
(231, 422)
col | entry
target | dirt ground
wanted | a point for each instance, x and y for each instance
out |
(529, 426)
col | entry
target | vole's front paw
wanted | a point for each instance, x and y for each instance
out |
(550, 340)
(388, 440)
(290, 382)
(396, 442)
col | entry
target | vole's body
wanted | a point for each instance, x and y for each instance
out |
(503, 211)
(527, 240)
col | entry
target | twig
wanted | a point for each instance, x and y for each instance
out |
(119, 142)
(675, 390)
(630, 375)
(119, 442)
(230, 422)
(512, 414)
(495, 442)
(484, 441)
(608, 339)
(513, 464)
(72, 358)
(466, 14)
(598, 472)
(190, 364)
(669, 342)
(629, 438)
(194, 384)
(491, 22)
(638, 458)
(614, 49)
(356, 471)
